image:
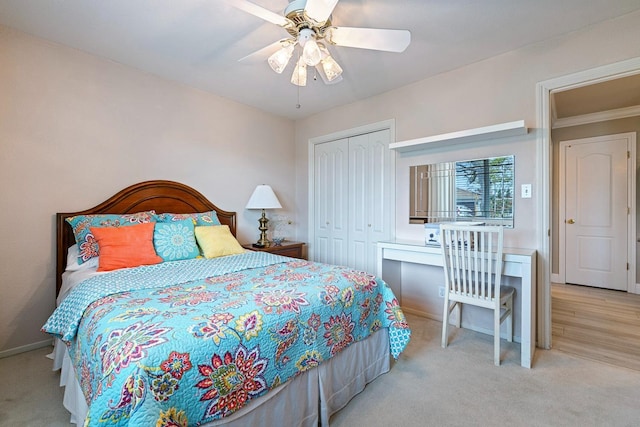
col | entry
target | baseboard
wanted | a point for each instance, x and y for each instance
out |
(422, 314)
(555, 278)
(475, 328)
(25, 348)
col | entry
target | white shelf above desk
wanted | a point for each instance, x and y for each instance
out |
(501, 130)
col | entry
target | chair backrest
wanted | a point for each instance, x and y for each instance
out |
(472, 256)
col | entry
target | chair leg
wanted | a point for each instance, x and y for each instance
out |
(496, 337)
(445, 323)
(510, 320)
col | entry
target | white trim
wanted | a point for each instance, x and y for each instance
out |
(373, 127)
(601, 116)
(554, 112)
(543, 92)
(632, 286)
(24, 348)
(360, 130)
(543, 204)
(562, 208)
(501, 130)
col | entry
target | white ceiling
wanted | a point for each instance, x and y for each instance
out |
(199, 42)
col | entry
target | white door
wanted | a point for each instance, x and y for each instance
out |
(596, 211)
(368, 197)
(330, 201)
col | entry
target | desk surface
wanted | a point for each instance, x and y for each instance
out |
(420, 246)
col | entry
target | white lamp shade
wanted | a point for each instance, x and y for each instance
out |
(331, 68)
(263, 197)
(299, 76)
(311, 53)
(279, 60)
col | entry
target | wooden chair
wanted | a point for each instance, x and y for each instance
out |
(472, 258)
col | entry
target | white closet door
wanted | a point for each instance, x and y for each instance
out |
(330, 201)
(369, 192)
(382, 202)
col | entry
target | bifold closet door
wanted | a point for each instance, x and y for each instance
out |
(330, 201)
(369, 195)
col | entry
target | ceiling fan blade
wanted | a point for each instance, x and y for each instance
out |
(369, 38)
(319, 10)
(265, 52)
(260, 12)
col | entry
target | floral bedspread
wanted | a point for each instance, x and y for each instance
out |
(192, 341)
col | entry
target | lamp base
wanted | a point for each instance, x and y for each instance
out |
(263, 242)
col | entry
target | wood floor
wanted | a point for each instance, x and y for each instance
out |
(597, 324)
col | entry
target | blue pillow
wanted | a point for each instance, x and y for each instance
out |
(175, 240)
(200, 218)
(87, 244)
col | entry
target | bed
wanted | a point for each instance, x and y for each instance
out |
(248, 338)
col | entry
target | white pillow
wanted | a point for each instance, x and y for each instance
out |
(72, 260)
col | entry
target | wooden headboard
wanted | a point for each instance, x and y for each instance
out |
(161, 196)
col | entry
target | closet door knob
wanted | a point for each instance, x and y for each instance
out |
(570, 221)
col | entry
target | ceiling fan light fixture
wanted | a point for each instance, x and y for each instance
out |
(331, 68)
(309, 25)
(299, 76)
(310, 50)
(279, 60)
(311, 53)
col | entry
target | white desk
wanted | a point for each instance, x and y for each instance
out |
(517, 263)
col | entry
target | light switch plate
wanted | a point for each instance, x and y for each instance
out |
(526, 191)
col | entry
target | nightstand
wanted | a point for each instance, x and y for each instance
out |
(287, 248)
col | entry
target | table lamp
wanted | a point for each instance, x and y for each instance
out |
(263, 198)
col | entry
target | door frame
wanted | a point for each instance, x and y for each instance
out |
(544, 174)
(389, 124)
(631, 204)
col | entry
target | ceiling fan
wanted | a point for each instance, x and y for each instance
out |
(308, 23)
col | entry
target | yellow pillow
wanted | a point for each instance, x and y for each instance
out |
(217, 240)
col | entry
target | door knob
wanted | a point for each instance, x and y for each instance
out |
(570, 221)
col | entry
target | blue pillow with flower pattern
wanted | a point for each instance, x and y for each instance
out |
(200, 218)
(87, 244)
(175, 240)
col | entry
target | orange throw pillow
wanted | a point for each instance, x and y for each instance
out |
(124, 247)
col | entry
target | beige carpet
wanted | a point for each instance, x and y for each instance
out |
(460, 386)
(428, 386)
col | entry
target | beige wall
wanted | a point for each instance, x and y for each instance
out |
(75, 129)
(497, 90)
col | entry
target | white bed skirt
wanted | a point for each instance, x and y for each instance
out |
(326, 389)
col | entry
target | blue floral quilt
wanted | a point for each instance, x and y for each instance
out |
(187, 342)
